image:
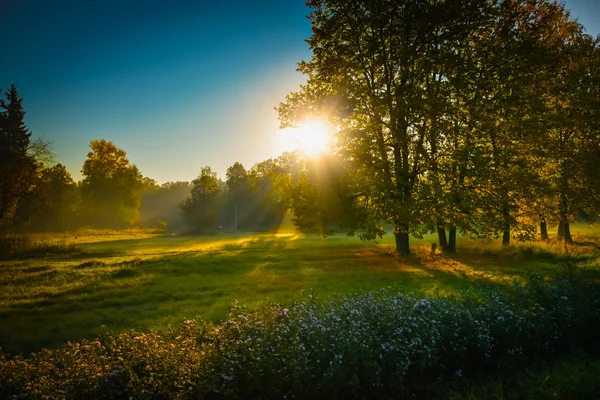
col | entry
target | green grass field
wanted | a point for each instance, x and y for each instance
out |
(138, 280)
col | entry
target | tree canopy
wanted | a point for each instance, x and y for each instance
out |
(111, 186)
(438, 107)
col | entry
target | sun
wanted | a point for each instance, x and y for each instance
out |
(312, 137)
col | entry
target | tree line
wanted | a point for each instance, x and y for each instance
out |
(480, 116)
(38, 195)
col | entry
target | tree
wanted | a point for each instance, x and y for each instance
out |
(373, 73)
(160, 205)
(63, 198)
(20, 157)
(111, 187)
(437, 108)
(572, 139)
(313, 189)
(52, 202)
(270, 202)
(15, 137)
(201, 210)
(239, 199)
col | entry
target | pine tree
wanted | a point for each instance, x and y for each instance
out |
(14, 135)
(16, 166)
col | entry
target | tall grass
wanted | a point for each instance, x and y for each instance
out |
(23, 245)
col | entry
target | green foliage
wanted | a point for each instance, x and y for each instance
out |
(201, 210)
(111, 187)
(382, 344)
(450, 114)
(239, 203)
(52, 204)
(20, 158)
(270, 200)
(14, 135)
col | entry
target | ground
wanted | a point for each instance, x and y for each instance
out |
(139, 280)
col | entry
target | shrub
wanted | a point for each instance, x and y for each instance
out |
(382, 344)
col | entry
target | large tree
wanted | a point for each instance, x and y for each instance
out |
(20, 157)
(111, 187)
(437, 107)
(377, 73)
(572, 136)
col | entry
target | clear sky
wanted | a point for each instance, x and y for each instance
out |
(177, 84)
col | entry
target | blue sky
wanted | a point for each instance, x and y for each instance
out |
(177, 84)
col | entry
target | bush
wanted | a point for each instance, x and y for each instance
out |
(378, 345)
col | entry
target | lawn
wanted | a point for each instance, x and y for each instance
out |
(139, 280)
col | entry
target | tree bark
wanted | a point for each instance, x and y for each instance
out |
(506, 235)
(441, 230)
(564, 232)
(451, 239)
(506, 230)
(401, 235)
(544, 231)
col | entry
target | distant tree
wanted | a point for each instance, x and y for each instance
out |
(160, 205)
(269, 203)
(149, 184)
(313, 189)
(111, 187)
(201, 210)
(239, 199)
(63, 198)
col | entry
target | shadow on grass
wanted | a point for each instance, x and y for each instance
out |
(53, 304)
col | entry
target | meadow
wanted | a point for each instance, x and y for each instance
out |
(147, 281)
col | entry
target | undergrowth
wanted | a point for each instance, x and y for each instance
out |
(382, 344)
(24, 245)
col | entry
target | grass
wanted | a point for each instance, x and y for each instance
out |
(141, 280)
(12, 246)
(567, 379)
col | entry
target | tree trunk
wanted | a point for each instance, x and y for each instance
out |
(441, 230)
(564, 232)
(506, 235)
(451, 240)
(568, 237)
(506, 230)
(401, 235)
(544, 231)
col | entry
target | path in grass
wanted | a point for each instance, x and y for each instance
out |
(147, 282)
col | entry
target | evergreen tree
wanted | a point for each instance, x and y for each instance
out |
(17, 167)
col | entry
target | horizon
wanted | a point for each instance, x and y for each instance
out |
(193, 84)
